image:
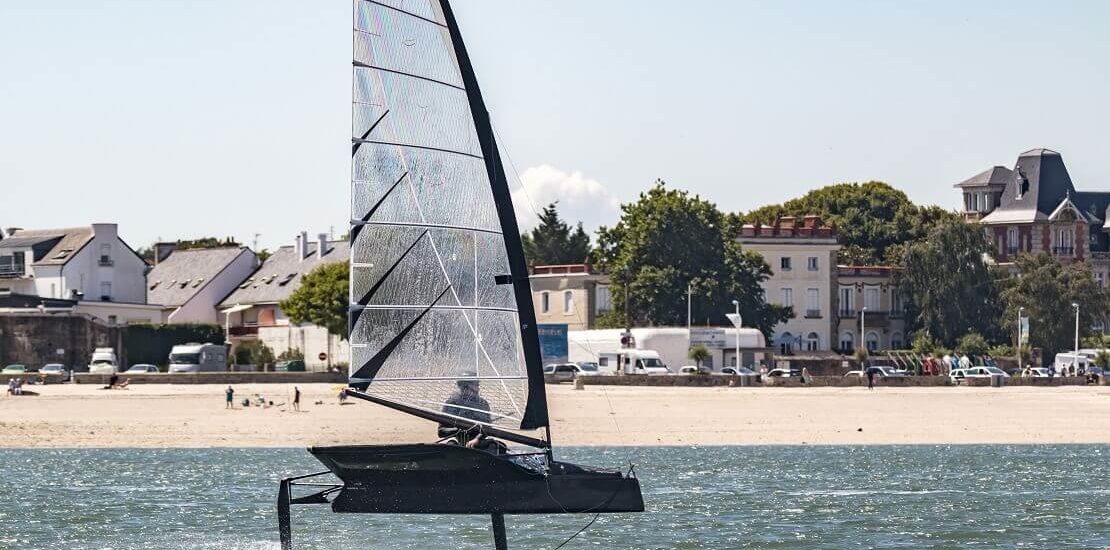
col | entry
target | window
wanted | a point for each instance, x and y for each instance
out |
(896, 340)
(786, 343)
(568, 302)
(1065, 241)
(1099, 277)
(872, 342)
(106, 291)
(1012, 244)
(105, 254)
(813, 342)
(847, 301)
(63, 254)
(813, 302)
(812, 264)
(53, 291)
(784, 264)
(871, 299)
(111, 319)
(847, 342)
(545, 302)
(603, 300)
(787, 297)
(897, 301)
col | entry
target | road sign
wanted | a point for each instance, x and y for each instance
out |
(323, 356)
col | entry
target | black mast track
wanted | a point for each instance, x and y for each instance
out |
(535, 413)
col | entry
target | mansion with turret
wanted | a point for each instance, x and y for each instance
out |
(1034, 207)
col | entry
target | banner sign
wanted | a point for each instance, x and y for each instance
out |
(711, 338)
(553, 343)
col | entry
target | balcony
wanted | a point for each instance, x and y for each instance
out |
(242, 331)
(1012, 251)
(1063, 250)
(813, 314)
(897, 314)
(12, 272)
(847, 313)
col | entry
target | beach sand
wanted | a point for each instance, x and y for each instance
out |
(194, 416)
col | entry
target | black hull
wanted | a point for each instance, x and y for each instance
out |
(448, 479)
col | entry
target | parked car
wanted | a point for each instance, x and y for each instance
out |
(142, 367)
(1038, 372)
(977, 372)
(295, 365)
(565, 372)
(694, 369)
(103, 361)
(55, 368)
(15, 369)
(549, 369)
(783, 373)
(741, 371)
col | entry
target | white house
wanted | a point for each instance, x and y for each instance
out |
(673, 345)
(85, 263)
(190, 284)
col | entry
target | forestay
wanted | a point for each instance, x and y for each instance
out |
(433, 231)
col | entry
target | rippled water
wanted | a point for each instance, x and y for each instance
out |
(993, 496)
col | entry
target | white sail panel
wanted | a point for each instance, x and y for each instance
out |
(427, 244)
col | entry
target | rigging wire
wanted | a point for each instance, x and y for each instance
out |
(509, 157)
(580, 531)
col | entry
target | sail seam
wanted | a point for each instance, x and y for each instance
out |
(362, 65)
(449, 379)
(427, 225)
(357, 307)
(406, 12)
(439, 149)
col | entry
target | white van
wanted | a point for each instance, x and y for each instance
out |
(632, 361)
(103, 361)
(198, 358)
(1066, 360)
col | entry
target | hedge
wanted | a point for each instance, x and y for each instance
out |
(152, 343)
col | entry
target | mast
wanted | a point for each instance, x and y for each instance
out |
(535, 414)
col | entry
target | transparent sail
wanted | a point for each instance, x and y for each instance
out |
(427, 245)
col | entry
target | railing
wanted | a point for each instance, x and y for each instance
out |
(847, 313)
(1063, 250)
(813, 314)
(1012, 251)
(1100, 256)
(897, 314)
(242, 331)
(106, 261)
(7, 272)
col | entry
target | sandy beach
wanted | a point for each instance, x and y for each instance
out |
(194, 416)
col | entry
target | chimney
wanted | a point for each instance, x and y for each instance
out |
(163, 251)
(106, 230)
(302, 245)
(321, 245)
(10, 232)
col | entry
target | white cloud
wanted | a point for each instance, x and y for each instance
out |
(580, 199)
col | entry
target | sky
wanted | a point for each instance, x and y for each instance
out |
(232, 117)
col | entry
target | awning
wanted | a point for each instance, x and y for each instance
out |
(236, 308)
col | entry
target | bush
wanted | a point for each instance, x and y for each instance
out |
(698, 354)
(254, 352)
(972, 344)
(924, 344)
(291, 355)
(1102, 359)
(861, 356)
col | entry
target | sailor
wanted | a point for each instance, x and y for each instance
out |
(467, 403)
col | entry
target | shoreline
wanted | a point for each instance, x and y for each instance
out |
(193, 416)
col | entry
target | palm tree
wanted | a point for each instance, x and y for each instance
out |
(699, 354)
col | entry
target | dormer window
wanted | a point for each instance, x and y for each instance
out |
(63, 254)
(155, 285)
(198, 282)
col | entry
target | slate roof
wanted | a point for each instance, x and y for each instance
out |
(71, 239)
(175, 280)
(998, 175)
(1039, 183)
(281, 274)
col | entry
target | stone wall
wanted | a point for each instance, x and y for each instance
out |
(219, 378)
(35, 339)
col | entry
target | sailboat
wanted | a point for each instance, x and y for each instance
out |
(440, 300)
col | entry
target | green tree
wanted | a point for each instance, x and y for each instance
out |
(1045, 288)
(950, 286)
(973, 344)
(874, 220)
(698, 354)
(254, 352)
(553, 242)
(924, 344)
(668, 241)
(321, 299)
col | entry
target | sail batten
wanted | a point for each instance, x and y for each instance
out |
(433, 234)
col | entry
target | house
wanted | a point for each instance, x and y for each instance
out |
(573, 295)
(252, 310)
(82, 263)
(868, 300)
(802, 257)
(190, 284)
(1035, 207)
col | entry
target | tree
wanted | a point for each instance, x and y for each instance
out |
(553, 243)
(1046, 290)
(321, 299)
(668, 241)
(254, 352)
(874, 220)
(924, 344)
(949, 285)
(698, 354)
(973, 344)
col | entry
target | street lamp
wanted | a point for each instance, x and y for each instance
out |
(1075, 354)
(863, 327)
(1017, 348)
(739, 323)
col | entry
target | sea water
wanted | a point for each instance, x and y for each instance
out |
(993, 496)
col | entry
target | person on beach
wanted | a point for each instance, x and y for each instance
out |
(296, 398)
(230, 397)
(870, 378)
(805, 376)
(11, 386)
(965, 362)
